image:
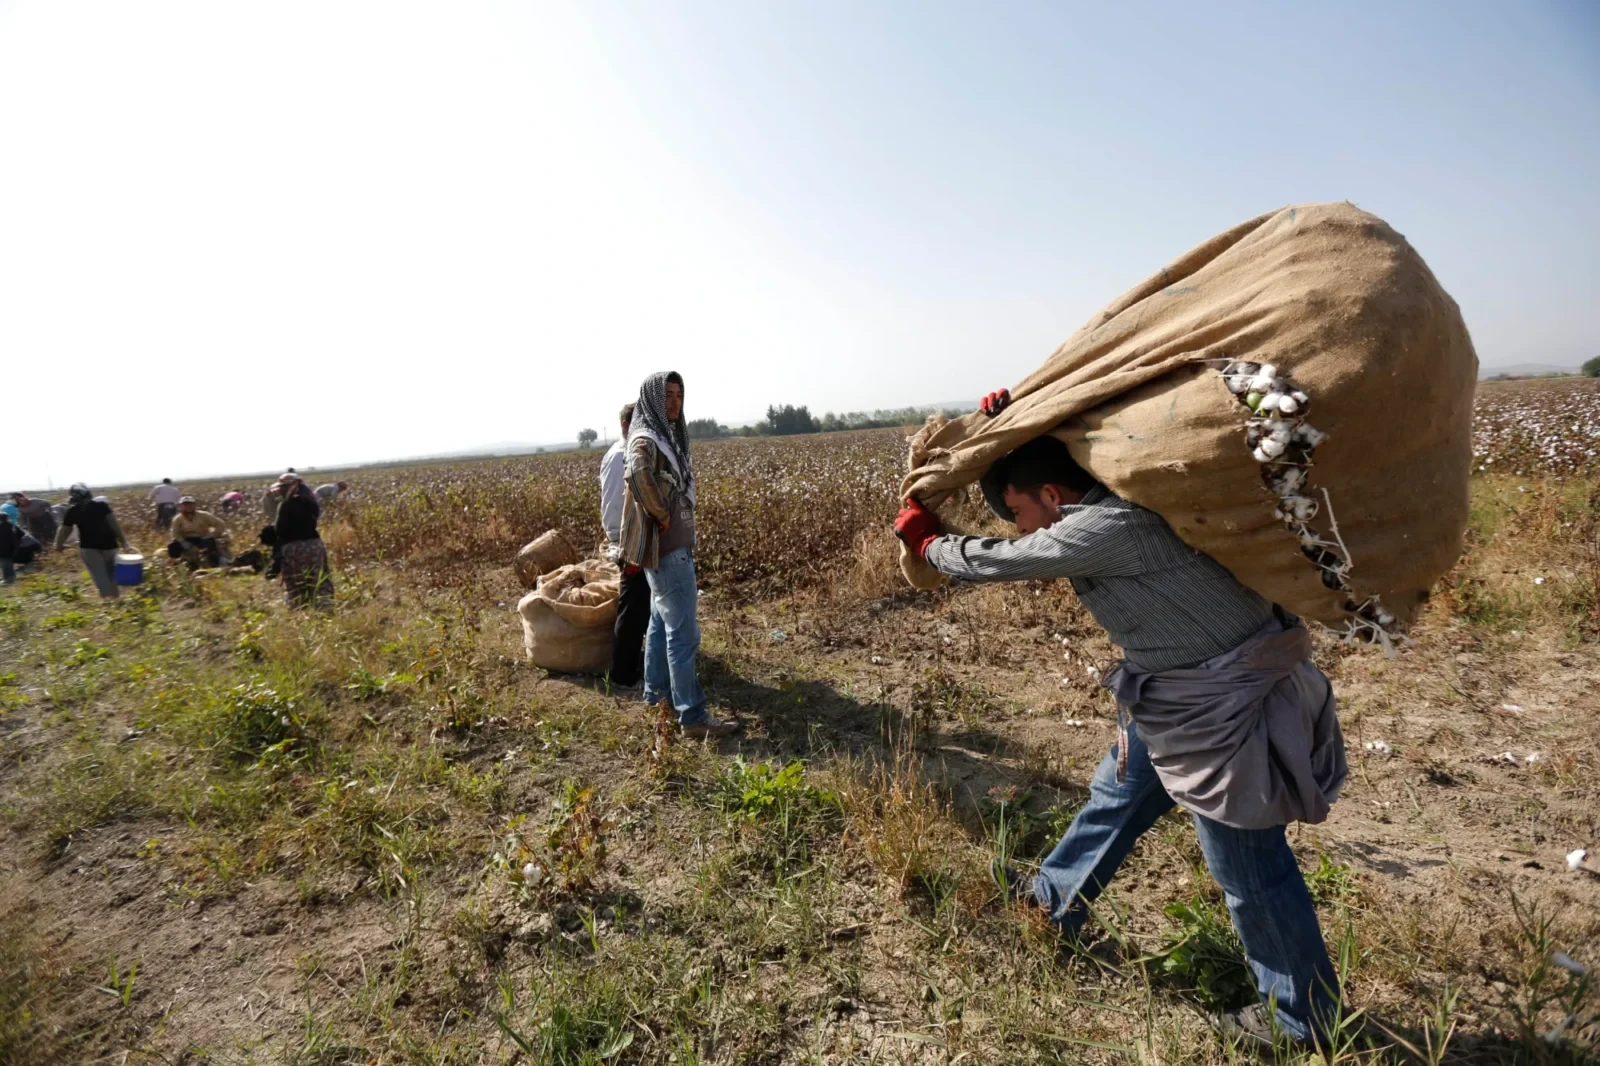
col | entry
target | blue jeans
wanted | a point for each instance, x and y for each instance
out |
(1265, 891)
(673, 638)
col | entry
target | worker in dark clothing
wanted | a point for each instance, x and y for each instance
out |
(12, 537)
(99, 536)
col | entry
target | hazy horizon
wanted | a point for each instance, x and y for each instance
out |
(308, 234)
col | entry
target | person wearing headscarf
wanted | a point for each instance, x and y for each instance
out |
(99, 535)
(300, 556)
(658, 535)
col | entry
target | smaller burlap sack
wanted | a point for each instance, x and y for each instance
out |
(542, 555)
(567, 619)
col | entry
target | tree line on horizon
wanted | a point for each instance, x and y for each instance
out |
(787, 420)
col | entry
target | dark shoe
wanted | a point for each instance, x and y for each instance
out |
(1252, 1027)
(1012, 885)
(710, 728)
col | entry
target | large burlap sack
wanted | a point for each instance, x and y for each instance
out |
(567, 619)
(542, 555)
(1341, 304)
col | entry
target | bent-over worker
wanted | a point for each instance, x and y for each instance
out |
(1230, 718)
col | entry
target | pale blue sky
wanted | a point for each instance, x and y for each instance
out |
(377, 230)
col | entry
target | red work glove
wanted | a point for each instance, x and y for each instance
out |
(631, 568)
(916, 525)
(995, 402)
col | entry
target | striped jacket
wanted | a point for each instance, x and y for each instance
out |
(1166, 604)
(652, 489)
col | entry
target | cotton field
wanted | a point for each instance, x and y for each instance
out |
(1540, 426)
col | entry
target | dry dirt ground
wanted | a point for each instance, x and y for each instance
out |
(360, 903)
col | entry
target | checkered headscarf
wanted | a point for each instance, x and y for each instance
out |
(650, 420)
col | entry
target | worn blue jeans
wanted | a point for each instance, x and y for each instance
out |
(673, 639)
(1265, 891)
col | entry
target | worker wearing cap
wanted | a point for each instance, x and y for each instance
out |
(197, 533)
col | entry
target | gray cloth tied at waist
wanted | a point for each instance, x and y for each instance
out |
(1249, 738)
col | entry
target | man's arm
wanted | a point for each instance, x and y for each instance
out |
(1086, 542)
(642, 480)
(610, 494)
(116, 531)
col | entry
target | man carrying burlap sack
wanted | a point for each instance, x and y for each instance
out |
(1230, 718)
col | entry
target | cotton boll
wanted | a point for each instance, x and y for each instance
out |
(1261, 456)
(531, 873)
(1272, 447)
(1243, 369)
(1575, 859)
(1270, 401)
(1300, 397)
(1309, 435)
(1288, 405)
(1238, 384)
(1267, 370)
(1303, 508)
(1282, 435)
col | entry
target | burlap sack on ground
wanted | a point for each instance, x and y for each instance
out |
(542, 555)
(567, 619)
(1342, 305)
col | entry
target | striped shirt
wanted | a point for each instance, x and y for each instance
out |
(1166, 604)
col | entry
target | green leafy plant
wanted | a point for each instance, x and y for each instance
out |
(255, 723)
(784, 810)
(1205, 957)
(1332, 882)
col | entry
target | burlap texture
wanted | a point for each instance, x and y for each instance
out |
(1342, 305)
(567, 619)
(542, 555)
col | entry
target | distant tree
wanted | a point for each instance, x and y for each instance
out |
(587, 437)
(789, 419)
(707, 429)
(1591, 369)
